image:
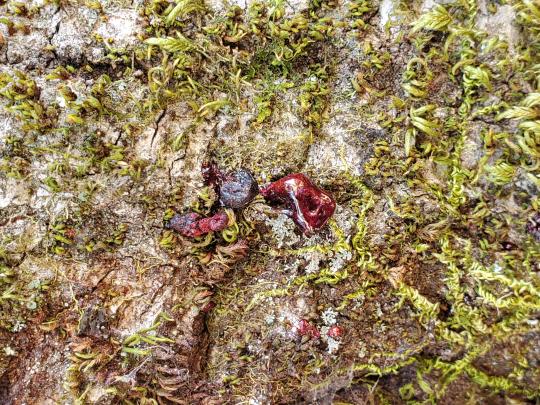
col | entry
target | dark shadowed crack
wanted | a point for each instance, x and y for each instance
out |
(120, 133)
(158, 121)
(51, 37)
(171, 167)
(6, 53)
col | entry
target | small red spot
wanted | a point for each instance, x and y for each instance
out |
(70, 233)
(335, 331)
(307, 329)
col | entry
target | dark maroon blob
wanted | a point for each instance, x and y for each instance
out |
(193, 225)
(235, 190)
(238, 189)
(184, 223)
(310, 206)
(533, 226)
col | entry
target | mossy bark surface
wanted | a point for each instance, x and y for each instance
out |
(422, 119)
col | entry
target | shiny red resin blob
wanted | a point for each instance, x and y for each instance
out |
(310, 207)
(193, 225)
